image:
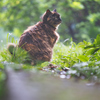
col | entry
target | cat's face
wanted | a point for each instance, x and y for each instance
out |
(52, 18)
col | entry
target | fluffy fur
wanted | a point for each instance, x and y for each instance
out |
(38, 40)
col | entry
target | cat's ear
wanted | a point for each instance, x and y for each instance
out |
(48, 11)
(54, 10)
(45, 15)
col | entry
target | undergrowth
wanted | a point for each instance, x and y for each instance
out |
(82, 58)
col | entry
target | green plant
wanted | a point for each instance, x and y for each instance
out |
(19, 55)
(80, 18)
(82, 58)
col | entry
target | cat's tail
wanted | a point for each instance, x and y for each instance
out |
(11, 47)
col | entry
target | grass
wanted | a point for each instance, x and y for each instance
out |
(82, 58)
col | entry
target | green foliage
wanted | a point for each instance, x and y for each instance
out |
(2, 84)
(1, 66)
(93, 17)
(19, 55)
(76, 5)
(83, 59)
(66, 56)
(93, 48)
(80, 18)
(2, 78)
(17, 15)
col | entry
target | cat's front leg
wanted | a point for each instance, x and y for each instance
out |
(55, 38)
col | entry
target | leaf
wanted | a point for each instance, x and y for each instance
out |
(90, 46)
(98, 39)
(92, 51)
(1, 65)
(7, 37)
(12, 40)
(77, 5)
(83, 58)
(95, 50)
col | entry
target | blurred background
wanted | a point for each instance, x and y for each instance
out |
(80, 18)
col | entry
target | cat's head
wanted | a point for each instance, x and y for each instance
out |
(52, 18)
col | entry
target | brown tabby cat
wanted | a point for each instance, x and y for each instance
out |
(40, 39)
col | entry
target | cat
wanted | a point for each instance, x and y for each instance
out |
(38, 40)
